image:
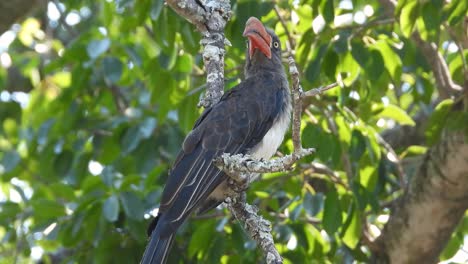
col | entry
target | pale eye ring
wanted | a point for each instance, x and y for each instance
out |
(276, 44)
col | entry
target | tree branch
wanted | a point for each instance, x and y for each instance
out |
(210, 18)
(245, 163)
(13, 10)
(432, 206)
(258, 227)
(445, 85)
(436, 197)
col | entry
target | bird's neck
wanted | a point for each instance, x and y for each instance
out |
(259, 69)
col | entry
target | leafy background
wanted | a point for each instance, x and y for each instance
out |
(96, 97)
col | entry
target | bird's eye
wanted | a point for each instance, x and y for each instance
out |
(276, 44)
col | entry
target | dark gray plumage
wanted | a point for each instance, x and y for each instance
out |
(250, 118)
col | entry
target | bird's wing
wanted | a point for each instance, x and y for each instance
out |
(235, 124)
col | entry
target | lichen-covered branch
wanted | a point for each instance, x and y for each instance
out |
(258, 227)
(210, 17)
(191, 10)
(245, 163)
(297, 104)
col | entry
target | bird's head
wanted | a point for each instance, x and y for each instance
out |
(263, 48)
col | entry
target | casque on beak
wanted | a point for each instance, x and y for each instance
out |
(258, 37)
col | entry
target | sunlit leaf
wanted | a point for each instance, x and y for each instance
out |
(397, 114)
(455, 11)
(352, 235)
(408, 16)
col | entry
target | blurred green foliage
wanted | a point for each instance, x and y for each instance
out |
(111, 89)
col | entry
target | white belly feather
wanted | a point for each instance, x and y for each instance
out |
(274, 137)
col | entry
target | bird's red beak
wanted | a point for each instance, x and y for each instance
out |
(258, 37)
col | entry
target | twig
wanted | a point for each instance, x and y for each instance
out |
(62, 21)
(297, 105)
(320, 90)
(309, 219)
(445, 85)
(291, 41)
(325, 170)
(396, 161)
(119, 99)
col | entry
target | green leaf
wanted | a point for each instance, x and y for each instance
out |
(431, 16)
(313, 204)
(327, 10)
(358, 145)
(10, 160)
(111, 208)
(409, 14)
(452, 247)
(147, 127)
(130, 139)
(392, 62)
(62, 191)
(352, 235)
(313, 69)
(455, 11)
(413, 150)
(132, 205)
(97, 47)
(368, 176)
(330, 63)
(396, 113)
(184, 64)
(156, 8)
(438, 120)
(9, 210)
(199, 240)
(112, 70)
(331, 213)
(63, 163)
(375, 65)
(47, 209)
(348, 69)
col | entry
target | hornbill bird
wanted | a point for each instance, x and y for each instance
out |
(251, 118)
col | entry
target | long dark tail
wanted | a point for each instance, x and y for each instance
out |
(158, 248)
